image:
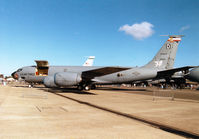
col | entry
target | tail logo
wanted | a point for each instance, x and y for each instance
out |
(168, 46)
(158, 63)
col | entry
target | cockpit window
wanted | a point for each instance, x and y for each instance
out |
(19, 70)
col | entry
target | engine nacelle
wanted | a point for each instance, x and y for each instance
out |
(49, 82)
(67, 79)
(193, 75)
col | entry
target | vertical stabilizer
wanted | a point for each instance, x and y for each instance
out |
(165, 58)
(89, 61)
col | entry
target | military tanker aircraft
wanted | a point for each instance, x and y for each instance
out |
(86, 77)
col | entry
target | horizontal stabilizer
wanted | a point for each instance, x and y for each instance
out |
(170, 72)
(174, 36)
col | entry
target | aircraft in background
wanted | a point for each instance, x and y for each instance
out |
(89, 61)
(86, 77)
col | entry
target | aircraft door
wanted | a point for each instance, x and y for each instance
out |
(42, 68)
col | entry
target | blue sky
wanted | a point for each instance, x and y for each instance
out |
(64, 32)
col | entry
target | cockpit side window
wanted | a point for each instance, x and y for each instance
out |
(19, 70)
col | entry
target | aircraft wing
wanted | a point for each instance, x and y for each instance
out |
(170, 72)
(90, 74)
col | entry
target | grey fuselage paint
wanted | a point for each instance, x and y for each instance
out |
(132, 74)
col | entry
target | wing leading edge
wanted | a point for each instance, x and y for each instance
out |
(90, 74)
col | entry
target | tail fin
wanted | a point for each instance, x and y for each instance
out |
(89, 61)
(165, 58)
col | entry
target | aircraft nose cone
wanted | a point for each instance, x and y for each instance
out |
(15, 75)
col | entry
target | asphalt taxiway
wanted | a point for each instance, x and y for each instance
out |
(103, 113)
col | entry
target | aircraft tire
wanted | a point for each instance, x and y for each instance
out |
(93, 86)
(80, 87)
(87, 88)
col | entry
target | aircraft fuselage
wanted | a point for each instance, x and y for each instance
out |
(132, 74)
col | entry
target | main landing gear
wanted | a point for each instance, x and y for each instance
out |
(81, 87)
(86, 87)
(31, 85)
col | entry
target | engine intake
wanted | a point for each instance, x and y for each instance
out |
(193, 75)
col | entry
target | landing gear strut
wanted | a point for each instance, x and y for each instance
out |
(93, 86)
(80, 87)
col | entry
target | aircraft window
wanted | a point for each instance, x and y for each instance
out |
(19, 70)
(119, 75)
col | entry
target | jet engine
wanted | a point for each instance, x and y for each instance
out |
(49, 82)
(67, 79)
(193, 75)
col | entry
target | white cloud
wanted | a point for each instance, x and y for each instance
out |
(184, 28)
(138, 31)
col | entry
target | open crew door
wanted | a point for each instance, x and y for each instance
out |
(42, 68)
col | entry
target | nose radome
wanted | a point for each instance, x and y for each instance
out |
(15, 75)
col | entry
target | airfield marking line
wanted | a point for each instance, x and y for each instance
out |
(63, 109)
(152, 123)
(38, 109)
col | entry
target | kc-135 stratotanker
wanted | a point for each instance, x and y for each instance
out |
(86, 77)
